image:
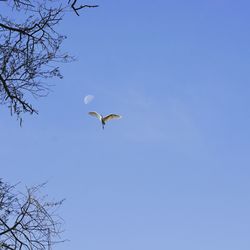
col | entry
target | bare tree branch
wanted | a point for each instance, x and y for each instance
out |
(79, 7)
(31, 50)
(27, 221)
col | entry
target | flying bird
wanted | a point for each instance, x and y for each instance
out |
(104, 119)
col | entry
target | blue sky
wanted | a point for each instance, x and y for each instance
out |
(173, 173)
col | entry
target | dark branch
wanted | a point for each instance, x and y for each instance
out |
(30, 51)
(76, 9)
(27, 222)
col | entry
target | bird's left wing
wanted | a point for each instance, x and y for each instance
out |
(95, 114)
(111, 116)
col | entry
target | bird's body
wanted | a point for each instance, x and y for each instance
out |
(104, 119)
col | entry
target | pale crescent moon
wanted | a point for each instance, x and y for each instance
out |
(88, 99)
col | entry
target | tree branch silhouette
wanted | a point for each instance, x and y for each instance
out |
(27, 221)
(30, 51)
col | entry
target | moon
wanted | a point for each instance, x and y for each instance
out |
(88, 99)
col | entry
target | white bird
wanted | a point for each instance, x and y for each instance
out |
(104, 119)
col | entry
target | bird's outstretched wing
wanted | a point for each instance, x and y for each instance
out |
(111, 116)
(95, 114)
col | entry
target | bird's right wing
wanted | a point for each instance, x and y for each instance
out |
(111, 116)
(95, 114)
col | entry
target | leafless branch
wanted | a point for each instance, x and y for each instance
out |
(30, 51)
(79, 7)
(27, 221)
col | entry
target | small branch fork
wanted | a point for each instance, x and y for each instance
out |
(77, 8)
(15, 99)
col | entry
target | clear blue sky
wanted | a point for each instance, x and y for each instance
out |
(174, 172)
